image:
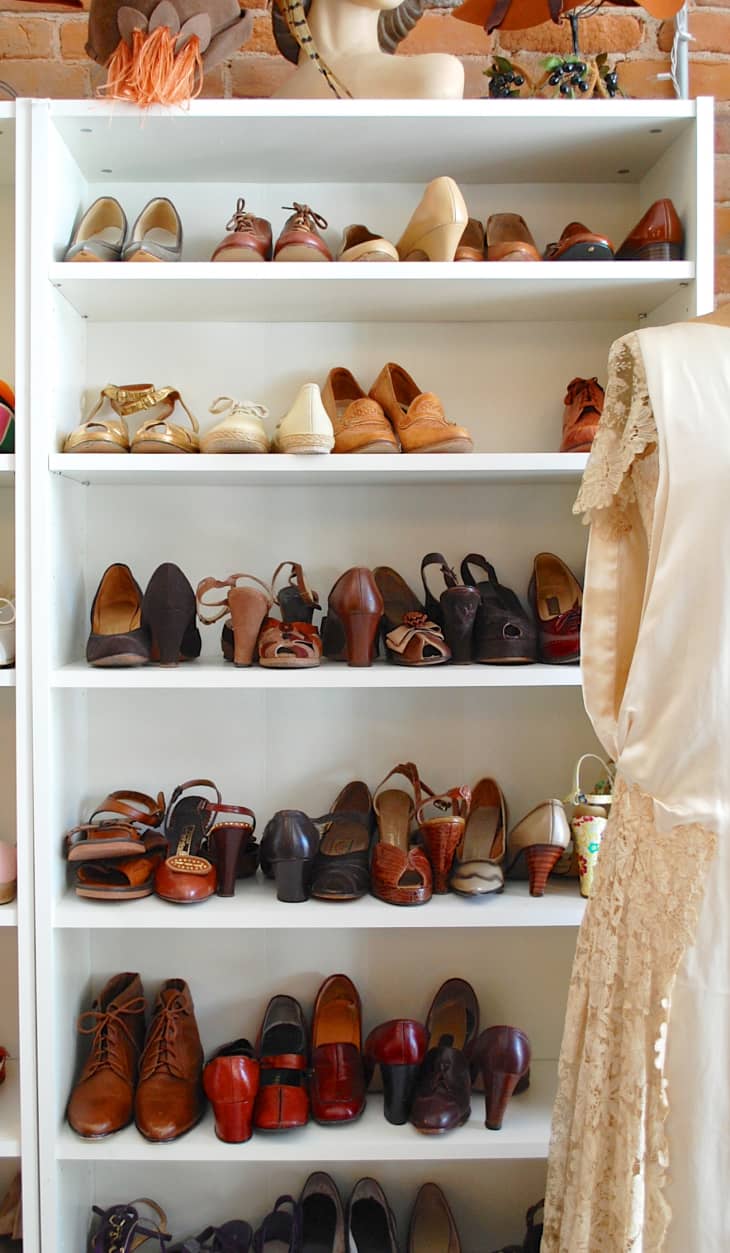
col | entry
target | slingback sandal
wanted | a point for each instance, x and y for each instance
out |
(504, 632)
(294, 643)
(411, 638)
(188, 876)
(400, 874)
(120, 836)
(157, 435)
(441, 835)
(122, 878)
(100, 434)
(455, 611)
(244, 607)
(123, 1229)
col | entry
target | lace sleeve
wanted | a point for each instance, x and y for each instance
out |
(627, 431)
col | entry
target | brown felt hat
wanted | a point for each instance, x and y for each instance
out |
(522, 14)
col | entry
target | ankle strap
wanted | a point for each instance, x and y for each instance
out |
(210, 584)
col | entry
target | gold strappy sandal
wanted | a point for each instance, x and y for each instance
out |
(157, 435)
(104, 434)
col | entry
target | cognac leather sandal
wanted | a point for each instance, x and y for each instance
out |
(103, 836)
(400, 874)
(122, 878)
(188, 876)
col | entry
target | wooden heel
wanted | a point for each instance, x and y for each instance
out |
(498, 1088)
(227, 841)
(399, 1084)
(541, 860)
(293, 880)
(361, 631)
(248, 609)
(441, 837)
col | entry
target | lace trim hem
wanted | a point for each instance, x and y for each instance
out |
(609, 1153)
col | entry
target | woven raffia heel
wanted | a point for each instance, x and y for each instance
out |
(306, 443)
(541, 860)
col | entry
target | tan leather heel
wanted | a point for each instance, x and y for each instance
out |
(246, 609)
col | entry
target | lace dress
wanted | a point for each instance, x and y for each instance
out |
(640, 1148)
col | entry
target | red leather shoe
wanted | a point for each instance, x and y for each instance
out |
(556, 598)
(338, 1079)
(502, 1055)
(283, 1097)
(231, 1081)
(398, 1047)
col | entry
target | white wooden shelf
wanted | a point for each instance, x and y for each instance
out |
(7, 468)
(282, 470)
(9, 916)
(525, 1134)
(219, 675)
(373, 141)
(255, 907)
(404, 292)
(10, 1112)
(7, 677)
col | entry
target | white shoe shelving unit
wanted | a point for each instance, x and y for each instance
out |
(498, 344)
(18, 1110)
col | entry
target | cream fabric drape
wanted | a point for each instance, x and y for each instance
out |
(639, 1158)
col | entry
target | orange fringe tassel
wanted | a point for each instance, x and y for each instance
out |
(151, 72)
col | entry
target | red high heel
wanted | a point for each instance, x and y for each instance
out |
(398, 1047)
(502, 1054)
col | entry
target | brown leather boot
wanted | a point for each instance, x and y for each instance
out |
(169, 1095)
(103, 1097)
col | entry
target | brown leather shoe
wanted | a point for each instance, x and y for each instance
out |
(248, 239)
(471, 244)
(418, 417)
(577, 243)
(657, 237)
(338, 1077)
(509, 238)
(583, 408)
(443, 1091)
(118, 636)
(300, 239)
(169, 1095)
(354, 613)
(103, 1097)
(358, 422)
(432, 1224)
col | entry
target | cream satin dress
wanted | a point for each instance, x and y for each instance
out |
(640, 1150)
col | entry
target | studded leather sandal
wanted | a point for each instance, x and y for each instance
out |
(124, 1229)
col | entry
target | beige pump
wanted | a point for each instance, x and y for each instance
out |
(437, 224)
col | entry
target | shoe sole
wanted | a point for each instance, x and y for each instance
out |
(119, 661)
(307, 444)
(448, 445)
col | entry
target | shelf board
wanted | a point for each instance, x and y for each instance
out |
(334, 141)
(287, 470)
(7, 677)
(340, 292)
(7, 468)
(9, 915)
(525, 1134)
(329, 675)
(10, 1112)
(255, 907)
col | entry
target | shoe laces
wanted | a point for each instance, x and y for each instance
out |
(108, 1027)
(243, 408)
(569, 621)
(159, 1052)
(305, 219)
(241, 220)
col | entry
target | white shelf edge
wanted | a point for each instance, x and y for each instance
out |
(497, 109)
(255, 907)
(9, 916)
(7, 464)
(7, 677)
(10, 1112)
(525, 1134)
(537, 467)
(328, 676)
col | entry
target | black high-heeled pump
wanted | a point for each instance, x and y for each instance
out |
(168, 613)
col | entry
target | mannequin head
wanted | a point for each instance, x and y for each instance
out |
(396, 19)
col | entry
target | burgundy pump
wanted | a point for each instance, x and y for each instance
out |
(502, 1055)
(398, 1047)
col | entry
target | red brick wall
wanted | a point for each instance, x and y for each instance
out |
(43, 55)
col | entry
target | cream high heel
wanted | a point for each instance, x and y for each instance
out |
(437, 224)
